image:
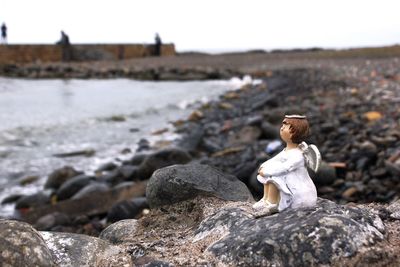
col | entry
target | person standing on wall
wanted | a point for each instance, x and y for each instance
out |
(4, 33)
(65, 46)
(158, 44)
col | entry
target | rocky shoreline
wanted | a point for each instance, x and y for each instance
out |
(353, 110)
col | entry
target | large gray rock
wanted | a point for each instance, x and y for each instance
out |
(81, 250)
(323, 235)
(21, 245)
(181, 182)
(120, 231)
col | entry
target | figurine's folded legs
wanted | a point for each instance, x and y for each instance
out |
(270, 199)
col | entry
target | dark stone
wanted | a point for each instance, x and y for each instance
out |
(128, 172)
(326, 174)
(34, 200)
(127, 209)
(143, 145)
(91, 188)
(160, 159)
(191, 140)
(113, 177)
(11, 199)
(123, 185)
(107, 167)
(60, 176)
(22, 245)
(72, 186)
(255, 185)
(181, 182)
(244, 171)
(137, 159)
(47, 222)
(211, 146)
(269, 131)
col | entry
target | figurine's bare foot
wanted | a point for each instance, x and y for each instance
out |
(268, 209)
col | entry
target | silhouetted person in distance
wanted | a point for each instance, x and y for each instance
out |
(3, 33)
(65, 47)
(158, 44)
(64, 39)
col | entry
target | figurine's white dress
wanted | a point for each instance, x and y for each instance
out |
(288, 172)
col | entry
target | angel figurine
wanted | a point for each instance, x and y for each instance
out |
(285, 176)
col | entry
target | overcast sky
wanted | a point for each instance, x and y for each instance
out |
(207, 25)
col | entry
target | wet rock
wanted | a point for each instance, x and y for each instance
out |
(107, 167)
(113, 177)
(72, 186)
(22, 245)
(246, 135)
(127, 209)
(181, 182)
(393, 167)
(86, 152)
(160, 159)
(270, 131)
(244, 171)
(28, 180)
(80, 250)
(143, 145)
(120, 231)
(190, 141)
(326, 174)
(124, 185)
(49, 221)
(323, 235)
(137, 159)
(254, 184)
(34, 200)
(11, 199)
(90, 205)
(128, 172)
(60, 176)
(91, 188)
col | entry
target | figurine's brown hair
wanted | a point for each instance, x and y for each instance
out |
(299, 128)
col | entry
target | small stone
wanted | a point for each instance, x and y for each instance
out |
(373, 115)
(349, 192)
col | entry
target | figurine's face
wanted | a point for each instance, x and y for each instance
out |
(286, 135)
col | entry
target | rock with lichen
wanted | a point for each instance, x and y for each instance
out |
(322, 235)
(21, 245)
(80, 250)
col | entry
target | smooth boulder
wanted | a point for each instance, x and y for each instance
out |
(182, 182)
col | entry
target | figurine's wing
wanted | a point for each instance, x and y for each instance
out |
(311, 156)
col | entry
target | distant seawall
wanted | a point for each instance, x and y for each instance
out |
(79, 52)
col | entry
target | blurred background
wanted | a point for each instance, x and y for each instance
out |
(97, 95)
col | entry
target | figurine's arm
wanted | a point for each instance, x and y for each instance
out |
(281, 166)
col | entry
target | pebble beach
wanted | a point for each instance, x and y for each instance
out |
(352, 104)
